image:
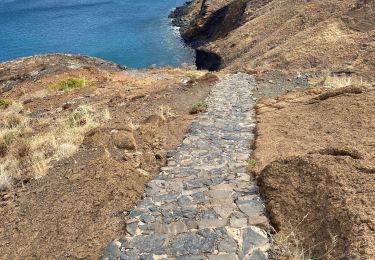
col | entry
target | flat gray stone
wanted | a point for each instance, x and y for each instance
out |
(168, 197)
(212, 223)
(210, 214)
(257, 255)
(252, 239)
(131, 228)
(238, 222)
(129, 254)
(185, 201)
(189, 213)
(147, 218)
(193, 243)
(154, 243)
(172, 228)
(196, 184)
(190, 257)
(198, 197)
(112, 251)
(252, 208)
(223, 257)
(228, 245)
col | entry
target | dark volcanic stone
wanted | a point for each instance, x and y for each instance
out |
(150, 244)
(130, 254)
(228, 245)
(131, 228)
(194, 243)
(198, 197)
(210, 214)
(112, 251)
(166, 197)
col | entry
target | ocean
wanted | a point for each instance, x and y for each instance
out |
(135, 33)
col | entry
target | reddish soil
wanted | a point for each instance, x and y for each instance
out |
(79, 206)
(315, 161)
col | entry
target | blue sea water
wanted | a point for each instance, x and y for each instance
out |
(135, 33)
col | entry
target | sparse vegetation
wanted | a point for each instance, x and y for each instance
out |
(251, 163)
(345, 81)
(69, 85)
(289, 245)
(200, 105)
(194, 75)
(4, 104)
(165, 111)
(26, 153)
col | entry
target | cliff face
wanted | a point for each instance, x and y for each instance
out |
(277, 35)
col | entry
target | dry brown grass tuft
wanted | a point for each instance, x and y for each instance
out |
(289, 246)
(28, 152)
(336, 82)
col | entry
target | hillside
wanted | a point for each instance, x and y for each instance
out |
(325, 38)
(74, 160)
(269, 155)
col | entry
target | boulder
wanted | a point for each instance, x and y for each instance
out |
(124, 140)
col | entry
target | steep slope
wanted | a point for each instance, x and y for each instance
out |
(291, 35)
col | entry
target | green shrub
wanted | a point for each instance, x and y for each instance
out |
(4, 104)
(199, 105)
(69, 84)
(252, 163)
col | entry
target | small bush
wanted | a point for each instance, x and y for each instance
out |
(199, 105)
(9, 137)
(69, 84)
(80, 116)
(252, 163)
(3, 149)
(4, 104)
(13, 121)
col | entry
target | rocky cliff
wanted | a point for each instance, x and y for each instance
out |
(337, 36)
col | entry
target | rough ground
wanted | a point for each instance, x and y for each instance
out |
(315, 160)
(203, 204)
(78, 207)
(323, 37)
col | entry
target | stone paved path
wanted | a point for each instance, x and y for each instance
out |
(203, 204)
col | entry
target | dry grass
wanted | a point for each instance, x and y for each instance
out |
(165, 111)
(27, 152)
(336, 82)
(289, 246)
(4, 103)
(194, 75)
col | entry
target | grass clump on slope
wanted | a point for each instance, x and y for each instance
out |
(69, 84)
(199, 107)
(4, 103)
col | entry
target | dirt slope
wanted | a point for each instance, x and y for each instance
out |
(316, 162)
(77, 206)
(292, 35)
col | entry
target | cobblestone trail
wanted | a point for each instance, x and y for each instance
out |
(203, 204)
